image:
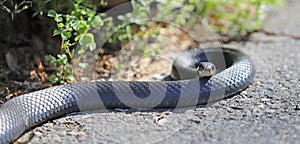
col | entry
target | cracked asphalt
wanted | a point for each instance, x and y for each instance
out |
(268, 111)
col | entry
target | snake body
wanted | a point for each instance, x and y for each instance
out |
(29, 110)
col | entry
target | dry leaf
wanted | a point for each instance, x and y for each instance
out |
(40, 67)
(11, 61)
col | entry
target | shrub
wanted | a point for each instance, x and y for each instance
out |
(75, 19)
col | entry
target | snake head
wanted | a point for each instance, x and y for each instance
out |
(206, 69)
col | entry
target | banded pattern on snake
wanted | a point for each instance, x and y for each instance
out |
(234, 73)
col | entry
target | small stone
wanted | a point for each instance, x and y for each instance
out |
(297, 107)
(298, 127)
(264, 99)
(160, 119)
(258, 83)
(158, 77)
(244, 92)
(261, 106)
(162, 122)
(278, 69)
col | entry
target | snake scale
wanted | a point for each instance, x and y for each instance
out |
(234, 73)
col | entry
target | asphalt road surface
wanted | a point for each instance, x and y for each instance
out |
(266, 112)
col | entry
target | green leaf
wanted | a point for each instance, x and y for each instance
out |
(66, 35)
(60, 25)
(23, 8)
(77, 38)
(83, 11)
(50, 58)
(76, 25)
(83, 27)
(51, 13)
(86, 39)
(58, 18)
(92, 46)
(56, 32)
(62, 59)
(98, 22)
(53, 79)
(72, 52)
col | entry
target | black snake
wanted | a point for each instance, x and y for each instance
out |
(234, 73)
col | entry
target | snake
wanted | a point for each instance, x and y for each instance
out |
(232, 71)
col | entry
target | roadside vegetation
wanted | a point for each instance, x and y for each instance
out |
(74, 21)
